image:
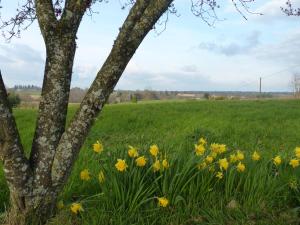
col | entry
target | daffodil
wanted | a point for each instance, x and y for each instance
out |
(214, 148)
(165, 164)
(76, 208)
(163, 202)
(240, 167)
(223, 164)
(255, 156)
(202, 141)
(294, 163)
(154, 150)
(218, 148)
(219, 175)
(98, 147)
(199, 150)
(85, 175)
(233, 158)
(156, 166)
(222, 148)
(277, 160)
(209, 159)
(132, 152)
(240, 155)
(121, 165)
(202, 165)
(214, 155)
(101, 177)
(297, 152)
(141, 161)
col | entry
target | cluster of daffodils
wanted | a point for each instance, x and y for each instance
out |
(294, 161)
(216, 158)
(154, 159)
(157, 164)
(214, 155)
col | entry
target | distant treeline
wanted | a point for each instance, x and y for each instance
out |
(26, 87)
(30, 94)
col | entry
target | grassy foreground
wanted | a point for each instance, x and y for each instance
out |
(262, 194)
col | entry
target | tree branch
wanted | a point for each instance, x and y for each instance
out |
(15, 163)
(60, 46)
(141, 19)
(46, 17)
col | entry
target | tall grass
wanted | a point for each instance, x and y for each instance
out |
(260, 195)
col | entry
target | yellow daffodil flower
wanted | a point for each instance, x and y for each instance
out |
(277, 160)
(85, 175)
(98, 147)
(223, 164)
(294, 163)
(297, 152)
(76, 208)
(199, 150)
(132, 152)
(202, 141)
(156, 166)
(240, 167)
(141, 161)
(209, 159)
(255, 156)
(154, 150)
(240, 155)
(121, 165)
(165, 164)
(163, 202)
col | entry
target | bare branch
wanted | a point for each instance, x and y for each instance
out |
(206, 9)
(290, 10)
(25, 16)
(162, 22)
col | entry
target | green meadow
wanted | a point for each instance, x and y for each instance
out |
(262, 194)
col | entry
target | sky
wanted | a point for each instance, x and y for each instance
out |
(188, 55)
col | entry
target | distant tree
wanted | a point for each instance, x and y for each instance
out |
(133, 98)
(36, 182)
(295, 83)
(206, 95)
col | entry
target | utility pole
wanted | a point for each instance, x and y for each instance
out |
(260, 85)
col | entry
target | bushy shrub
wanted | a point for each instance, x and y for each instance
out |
(206, 95)
(14, 99)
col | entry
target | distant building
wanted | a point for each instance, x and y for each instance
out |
(186, 95)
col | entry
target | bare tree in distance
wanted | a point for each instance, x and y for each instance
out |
(36, 182)
(295, 83)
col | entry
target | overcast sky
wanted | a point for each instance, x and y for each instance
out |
(188, 55)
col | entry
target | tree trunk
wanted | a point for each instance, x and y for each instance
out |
(30, 210)
(34, 185)
(53, 106)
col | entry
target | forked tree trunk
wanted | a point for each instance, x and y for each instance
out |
(30, 210)
(36, 182)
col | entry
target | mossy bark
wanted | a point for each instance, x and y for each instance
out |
(35, 183)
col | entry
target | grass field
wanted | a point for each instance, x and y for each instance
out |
(261, 195)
